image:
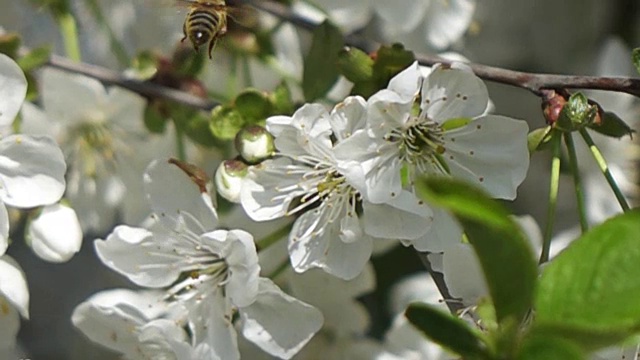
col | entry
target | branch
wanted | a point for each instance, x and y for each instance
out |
(144, 88)
(533, 82)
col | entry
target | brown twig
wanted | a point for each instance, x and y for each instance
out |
(534, 82)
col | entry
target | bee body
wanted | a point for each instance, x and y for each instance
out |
(206, 21)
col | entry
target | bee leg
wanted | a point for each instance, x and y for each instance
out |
(184, 32)
(212, 44)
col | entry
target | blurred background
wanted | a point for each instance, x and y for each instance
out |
(586, 37)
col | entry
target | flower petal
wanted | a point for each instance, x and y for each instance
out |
(407, 83)
(32, 170)
(278, 323)
(9, 326)
(210, 323)
(404, 217)
(450, 93)
(310, 246)
(444, 232)
(172, 193)
(472, 154)
(13, 285)
(447, 21)
(55, 234)
(401, 16)
(141, 256)
(4, 228)
(13, 89)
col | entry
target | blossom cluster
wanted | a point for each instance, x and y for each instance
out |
(350, 172)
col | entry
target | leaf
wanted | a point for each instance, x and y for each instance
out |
(635, 57)
(320, 65)
(576, 113)
(35, 58)
(537, 138)
(590, 292)
(446, 330)
(612, 126)
(504, 253)
(545, 347)
(154, 121)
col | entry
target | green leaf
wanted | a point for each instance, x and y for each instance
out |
(611, 125)
(10, 44)
(576, 113)
(154, 121)
(635, 57)
(546, 347)
(225, 122)
(355, 64)
(35, 58)
(446, 330)
(320, 65)
(590, 292)
(504, 253)
(537, 138)
(253, 105)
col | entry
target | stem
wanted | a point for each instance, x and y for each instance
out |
(117, 48)
(69, 30)
(553, 197)
(602, 163)
(455, 306)
(577, 181)
(274, 237)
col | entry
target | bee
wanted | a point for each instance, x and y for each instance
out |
(205, 23)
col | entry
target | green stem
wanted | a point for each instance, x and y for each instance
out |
(553, 197)
(274, 237)
(69, 30)
(117, 48)
(602, 163)
(577, 181)
(180, 146)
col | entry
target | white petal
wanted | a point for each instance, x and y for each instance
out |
(71, 98)
(9, 325)
(141, 256)
(311, 246)
(388, 110)
(55, 234)
(13, 285)
(36, 122)
(293, 134)
(463, 274)
(125, 110)
(239, 252)
(407, 83)
(447, 21)
(348, 116)
(416, 287)
(171, 193)
(13, 89)
(4, 228)
(450, 93)
(404, 217)
(211, 323)
(401, 16)
(114, 325)
(270, 187)
(32, 171)
(350, 228)
(444, 232)
(287, 49)
(278, 323)
(490, 152)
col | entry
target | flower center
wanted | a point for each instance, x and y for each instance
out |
(421, 143)
(94, 148)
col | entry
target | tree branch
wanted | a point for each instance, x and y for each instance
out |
(533, 82)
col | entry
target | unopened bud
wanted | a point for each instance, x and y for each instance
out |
(254, 143)
(228, 179)
(355, 64)
(552, 106)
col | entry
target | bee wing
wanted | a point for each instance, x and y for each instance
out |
(244, 15)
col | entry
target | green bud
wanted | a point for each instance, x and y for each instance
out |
(254, 144)
(253, 105)
(228, 179)
(576, 113)
(355, 64)
(225, 122)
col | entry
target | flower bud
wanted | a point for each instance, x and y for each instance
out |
(254, 143)
(228, 179)
(55, 235)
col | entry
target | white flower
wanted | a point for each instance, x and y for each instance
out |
(104, 140)
(448, 134)
(55, 235)
(212, 273)
(14, 301)
(334, 235)
(13, 89)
